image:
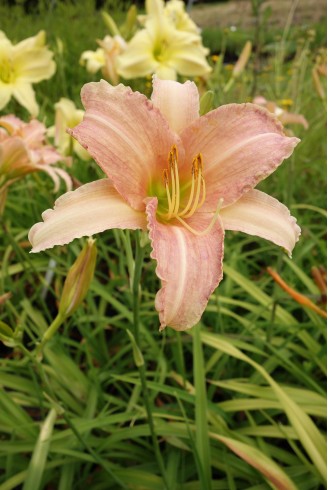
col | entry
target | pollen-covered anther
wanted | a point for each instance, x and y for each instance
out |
(197, 193)
(171, 179)
(165, 177)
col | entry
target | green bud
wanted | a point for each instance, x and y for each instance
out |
(206, 102)
(137, 354)
(110, 24)
(78, 279)
(128, 28)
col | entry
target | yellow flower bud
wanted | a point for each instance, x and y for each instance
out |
(78, 279)
(242, 60)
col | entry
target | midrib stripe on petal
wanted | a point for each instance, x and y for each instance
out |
(183, 254)
(236, 148)
(124, 137)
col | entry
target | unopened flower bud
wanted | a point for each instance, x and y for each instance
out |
(60, 46)
(110, 24)
(130, 23)
(78, 279)
(242, 60)
(317, 83)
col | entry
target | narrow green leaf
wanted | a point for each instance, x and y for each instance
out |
(276, 476)
(39, 457)
(311, 438)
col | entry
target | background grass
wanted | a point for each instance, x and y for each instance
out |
(230, 400)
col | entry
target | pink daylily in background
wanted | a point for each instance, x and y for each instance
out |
(284, 117)
(25, 146)
(186, 178)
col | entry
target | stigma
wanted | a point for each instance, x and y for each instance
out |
(197, 194)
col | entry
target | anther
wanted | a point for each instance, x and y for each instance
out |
(200, 162)
(165, 177)
(171, 180)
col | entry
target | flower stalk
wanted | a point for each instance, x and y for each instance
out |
(139, 256)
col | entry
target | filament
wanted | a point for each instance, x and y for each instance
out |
(209, 227)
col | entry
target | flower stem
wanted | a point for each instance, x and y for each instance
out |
(49, 333)
(142, 371)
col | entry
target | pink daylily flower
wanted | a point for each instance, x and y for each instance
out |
(35, 153)
(285, 117)
(185, 178)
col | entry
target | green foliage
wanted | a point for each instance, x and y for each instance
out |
(237, 404)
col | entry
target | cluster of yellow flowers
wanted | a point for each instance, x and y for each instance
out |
(165, 42)
(168, 43)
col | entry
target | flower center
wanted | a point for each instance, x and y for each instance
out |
(160, 51)
(7, 74)
(197, 193)
(172, 186)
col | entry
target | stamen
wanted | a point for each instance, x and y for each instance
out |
(177, 182)
(171, 179)
(173, 184)
(199, 177)
(203, 194)
(168, 195)
(209, 227)
(191, 196)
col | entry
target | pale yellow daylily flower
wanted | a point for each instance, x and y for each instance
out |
(162, 49)
(67, 116)
(175, 11)
(93, 60)
(104, 58)
(21, 65)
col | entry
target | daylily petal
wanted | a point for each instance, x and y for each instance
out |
(191, 62)
(14, 158)
(241, 144)
(11, 123)
(257, 213)
(67, 115)
(24, 94)
(34, 65)
(34, 133)
(113, 118)
(189, 266)
(179, 103)
(37, 41)
(165, 72)
(5, 94)
(56, 174)
(90, 209)
(80, 151)
(291, 118)
(94, 60)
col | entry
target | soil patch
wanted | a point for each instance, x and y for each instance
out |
(238, 13)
